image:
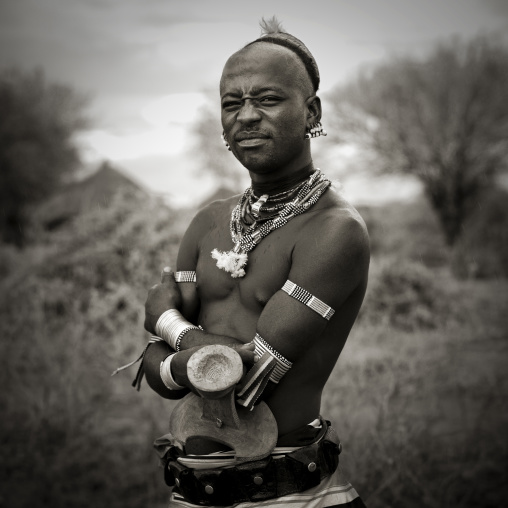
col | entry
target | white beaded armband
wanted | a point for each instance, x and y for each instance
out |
(271, 366)
(283, 365)
(302, 295)
(187, 276)
(166, 376)
(172, 326)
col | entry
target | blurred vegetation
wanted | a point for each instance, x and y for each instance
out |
(38, 123)
(417, 396)
(71, 313)
(442, 118)
(411, 231)
(423, 414)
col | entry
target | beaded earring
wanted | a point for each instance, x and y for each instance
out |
(315, 131)
(225, 141)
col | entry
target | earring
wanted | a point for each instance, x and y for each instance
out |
(225, 141)
(315, 131)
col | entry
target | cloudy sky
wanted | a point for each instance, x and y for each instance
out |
(146, 63)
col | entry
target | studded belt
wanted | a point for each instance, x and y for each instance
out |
(259, 480)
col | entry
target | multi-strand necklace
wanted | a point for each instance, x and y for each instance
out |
(248, 227)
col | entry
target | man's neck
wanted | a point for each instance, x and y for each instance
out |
(282, 183)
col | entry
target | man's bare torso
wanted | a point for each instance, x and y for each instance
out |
(232, 307)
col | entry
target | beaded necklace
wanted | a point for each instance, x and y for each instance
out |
(281, 196)
(246, 236)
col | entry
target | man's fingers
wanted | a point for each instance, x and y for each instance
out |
(247, 354)
(167, 275)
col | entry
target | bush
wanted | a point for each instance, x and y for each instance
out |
(410, 229)
(73, 436)
(482, 251)
(406, 295)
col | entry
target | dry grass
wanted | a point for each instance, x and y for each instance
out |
(423, 414)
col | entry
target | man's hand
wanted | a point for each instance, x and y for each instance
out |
(246, 352)
(161, 297)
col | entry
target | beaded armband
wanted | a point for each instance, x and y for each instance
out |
(302, 295)
(282, 366)
(187, 276)
(271, 366)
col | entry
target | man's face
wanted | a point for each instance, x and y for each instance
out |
(263, 101)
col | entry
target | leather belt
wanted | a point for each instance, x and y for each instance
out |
(259, 480)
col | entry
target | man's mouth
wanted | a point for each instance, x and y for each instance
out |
(250, 139)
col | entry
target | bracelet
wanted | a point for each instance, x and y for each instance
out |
(180, 337)
(185, 276)
(172, 326)
(166, 376)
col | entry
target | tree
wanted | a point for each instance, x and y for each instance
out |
(38, 123)
(443, 119)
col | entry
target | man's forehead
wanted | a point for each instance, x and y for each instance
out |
(273, 65)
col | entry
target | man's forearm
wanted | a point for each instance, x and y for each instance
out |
(158, 353)
(181, 334)
(154, 355)
(194, 338)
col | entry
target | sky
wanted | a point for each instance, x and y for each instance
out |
(145, 64)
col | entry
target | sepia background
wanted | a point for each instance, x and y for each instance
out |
(110, 142)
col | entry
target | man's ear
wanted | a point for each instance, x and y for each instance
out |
(313, 110)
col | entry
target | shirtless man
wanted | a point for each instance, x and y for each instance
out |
(269, 103)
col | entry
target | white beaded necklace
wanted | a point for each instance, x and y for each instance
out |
(245, 239)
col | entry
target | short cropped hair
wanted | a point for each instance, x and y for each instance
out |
(273, 32)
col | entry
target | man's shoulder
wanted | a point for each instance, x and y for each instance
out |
(221, 204)
(216, 210)
(334, 240)
(335, 218)
(213, 215)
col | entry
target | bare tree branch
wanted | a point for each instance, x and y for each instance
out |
(443, 119)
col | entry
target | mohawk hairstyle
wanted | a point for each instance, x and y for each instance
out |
(271, 26)
(273, 32)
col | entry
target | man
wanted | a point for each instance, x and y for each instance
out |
(279, 273)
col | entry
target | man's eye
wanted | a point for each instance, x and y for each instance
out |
(230, 105)
(269, 99)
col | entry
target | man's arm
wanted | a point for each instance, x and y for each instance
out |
(155, 354)
(330, 262)
(187, 260)
(159, 351)
(162, 297)
(183, 296)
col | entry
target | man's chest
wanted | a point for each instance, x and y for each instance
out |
(267, 268)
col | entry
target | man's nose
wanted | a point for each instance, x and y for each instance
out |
(248, 112)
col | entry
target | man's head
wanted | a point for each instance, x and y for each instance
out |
(268, 101)
(275, 34)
